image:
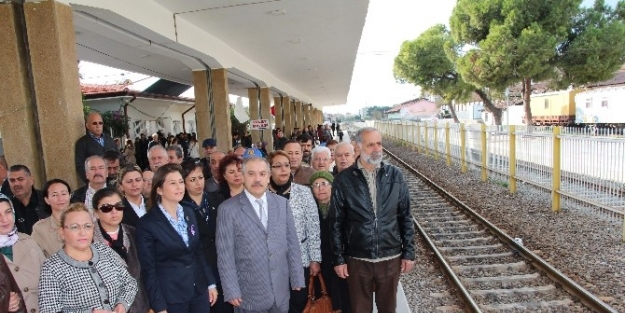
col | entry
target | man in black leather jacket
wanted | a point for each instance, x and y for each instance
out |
(371, 226)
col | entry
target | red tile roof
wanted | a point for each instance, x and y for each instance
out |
(406, 104)
(94, 89)
(617, 79)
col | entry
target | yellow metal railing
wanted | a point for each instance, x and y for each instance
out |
(576, 167)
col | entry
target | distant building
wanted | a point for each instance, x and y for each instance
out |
(414, 110)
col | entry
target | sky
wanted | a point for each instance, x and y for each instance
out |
(388, 24)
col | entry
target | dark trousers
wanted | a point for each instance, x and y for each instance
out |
(365, 278)
(298, 299)
(274, 309)
(221, 306)
(198, 304)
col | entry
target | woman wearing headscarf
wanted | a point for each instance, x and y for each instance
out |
(306, 218)
(21, 254)
(321, 185)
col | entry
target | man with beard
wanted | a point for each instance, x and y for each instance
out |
(27, 201)
(96, 180)
(371, 227)
(307, 145)
(113, 161)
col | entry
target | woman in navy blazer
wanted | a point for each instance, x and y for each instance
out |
(176, 274)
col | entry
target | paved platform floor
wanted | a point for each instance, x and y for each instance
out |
(402, 302)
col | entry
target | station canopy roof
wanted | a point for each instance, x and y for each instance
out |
(300, 48)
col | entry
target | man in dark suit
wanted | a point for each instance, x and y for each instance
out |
(95, 142)
(258, 252)
(96, 180)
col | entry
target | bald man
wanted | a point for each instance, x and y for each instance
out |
(94, 142)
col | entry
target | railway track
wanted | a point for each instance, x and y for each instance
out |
(490, 271)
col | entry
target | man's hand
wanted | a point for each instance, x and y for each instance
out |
(406, 266)
(315, 268)
(212, 295)
(236, 302)
(14, 302)
(341, 271)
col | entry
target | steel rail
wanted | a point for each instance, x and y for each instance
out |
(587, 298)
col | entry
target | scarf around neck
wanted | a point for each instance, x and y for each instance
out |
(281, 190)
(117, 245)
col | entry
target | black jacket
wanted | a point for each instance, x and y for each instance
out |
(130, 216)
(79, 195)
(27, 216)
(355, 229)
(86, 146)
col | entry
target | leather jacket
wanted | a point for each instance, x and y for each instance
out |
(356, 230)
(8, 285)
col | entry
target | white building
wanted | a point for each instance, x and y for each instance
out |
(147, 113)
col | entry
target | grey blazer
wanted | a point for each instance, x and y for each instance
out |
(257, 265)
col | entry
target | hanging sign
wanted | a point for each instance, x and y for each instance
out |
(259, 124)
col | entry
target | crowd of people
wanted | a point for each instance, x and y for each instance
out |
(232, 231)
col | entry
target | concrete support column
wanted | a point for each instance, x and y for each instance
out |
(299, 115)
(277, 107)
(252, 94)
(219, 78)
(265, 110)
(204, 117)
(287, 109)
(41, 114)
(307, 115)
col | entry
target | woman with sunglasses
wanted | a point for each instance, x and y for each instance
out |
(174, 269)
(109, 230)
(130, 182)
(56, 195)
(306, 218)
(84, 276)
(22, 255)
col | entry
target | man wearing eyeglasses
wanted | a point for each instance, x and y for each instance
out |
(321, 158)
(94, 142)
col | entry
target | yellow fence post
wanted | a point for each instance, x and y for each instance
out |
(555, 179)
(463, 148)
(512, 158)
(435, 141)
(412, 142)
(484, 154)
(447, 144)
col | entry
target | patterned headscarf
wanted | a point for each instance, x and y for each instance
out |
(11, 238)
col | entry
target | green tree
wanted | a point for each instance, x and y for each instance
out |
(429, 62)
(511, 41)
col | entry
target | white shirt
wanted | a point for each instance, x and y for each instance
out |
(255, 204)
(139, 209)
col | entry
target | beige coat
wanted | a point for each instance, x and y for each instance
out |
(46, 234)
(25, 267)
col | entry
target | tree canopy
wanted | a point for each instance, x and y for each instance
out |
(429, 61)
(511, 41)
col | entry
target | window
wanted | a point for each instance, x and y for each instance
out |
(604, 102)
(546, 103)
(588, 103)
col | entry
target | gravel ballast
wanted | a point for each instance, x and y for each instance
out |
(584, 247)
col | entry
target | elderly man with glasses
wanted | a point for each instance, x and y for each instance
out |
(94, 142)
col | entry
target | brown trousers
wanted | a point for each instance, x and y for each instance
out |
(365, 278)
